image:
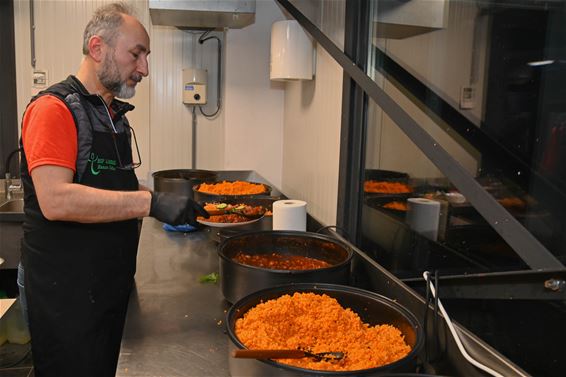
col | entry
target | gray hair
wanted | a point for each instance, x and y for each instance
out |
(105, 23)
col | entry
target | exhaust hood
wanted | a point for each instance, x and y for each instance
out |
(203, 14)
(398, 19)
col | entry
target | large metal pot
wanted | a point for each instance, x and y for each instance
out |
(181, 181)
(372, 308)
(238, 280)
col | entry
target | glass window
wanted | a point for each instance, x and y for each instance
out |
(486, 81)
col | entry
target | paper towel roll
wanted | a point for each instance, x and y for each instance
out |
(423, 216)
(290, 215)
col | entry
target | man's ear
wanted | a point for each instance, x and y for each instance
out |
(96, 47)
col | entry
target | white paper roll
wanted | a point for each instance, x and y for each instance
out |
(423, 216)
(290, 215)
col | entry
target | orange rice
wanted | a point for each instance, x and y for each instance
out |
(318, 323)
(232, 188)
(397, 206)
(383, 187)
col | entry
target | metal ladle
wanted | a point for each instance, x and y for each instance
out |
(286, 354)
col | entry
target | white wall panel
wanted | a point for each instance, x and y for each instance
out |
(311, 146)
(254, 104)
(171, 132)
(23, 55)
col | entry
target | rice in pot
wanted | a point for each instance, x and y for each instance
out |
(317, 323)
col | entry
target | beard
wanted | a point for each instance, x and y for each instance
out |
(110, 77)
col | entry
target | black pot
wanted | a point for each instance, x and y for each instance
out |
(372, 308)
(238, 280)
(181, 181)
(206, 197)
(386, 175)
(379, 201)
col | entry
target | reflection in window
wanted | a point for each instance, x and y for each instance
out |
(488, 82)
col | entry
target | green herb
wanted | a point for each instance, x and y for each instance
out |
(210, 278)
(221, 205)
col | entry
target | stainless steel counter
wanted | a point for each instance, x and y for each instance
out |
(175, 324)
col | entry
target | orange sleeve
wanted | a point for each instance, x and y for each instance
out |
(49, 134)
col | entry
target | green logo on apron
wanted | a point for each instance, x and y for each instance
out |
(98, 164)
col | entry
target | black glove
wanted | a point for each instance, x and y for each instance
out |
(175, 209)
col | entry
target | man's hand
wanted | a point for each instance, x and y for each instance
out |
(175, 209)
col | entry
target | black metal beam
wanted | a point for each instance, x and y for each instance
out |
(9, 103)
(514, 285)
(354, 117)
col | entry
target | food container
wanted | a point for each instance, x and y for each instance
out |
(372, 308)
(207, 197)
(389, 177)
(381, 201)
(238, 280)
(181, 181)
(265, 223)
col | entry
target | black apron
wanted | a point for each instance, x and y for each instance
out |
(78, 277)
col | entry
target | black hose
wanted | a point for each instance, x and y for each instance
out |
(201, 40)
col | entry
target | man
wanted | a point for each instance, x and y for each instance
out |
(82, 201)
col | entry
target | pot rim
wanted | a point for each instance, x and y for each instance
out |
(347, 260)
(210, 173)
(310, 287)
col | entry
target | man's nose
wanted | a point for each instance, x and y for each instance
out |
(143, 66)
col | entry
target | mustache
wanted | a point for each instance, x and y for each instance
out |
(136, 77)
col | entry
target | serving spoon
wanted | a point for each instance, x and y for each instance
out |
(285, 354)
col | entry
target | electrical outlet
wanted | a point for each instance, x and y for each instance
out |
(467, 97)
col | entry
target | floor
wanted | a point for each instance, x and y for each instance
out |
(16, 360)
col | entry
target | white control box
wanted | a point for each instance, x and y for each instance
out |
(194, 86)
(40, 81)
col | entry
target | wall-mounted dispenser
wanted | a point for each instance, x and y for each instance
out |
(292, 52)
(194, 86)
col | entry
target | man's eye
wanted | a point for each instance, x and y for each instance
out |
(135, 55)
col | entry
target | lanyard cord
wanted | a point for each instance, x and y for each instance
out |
(108, 113)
